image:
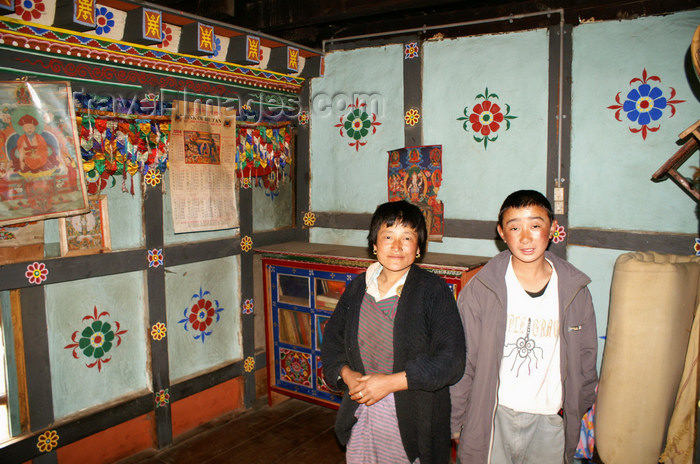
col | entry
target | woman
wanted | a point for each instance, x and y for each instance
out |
(394, 344)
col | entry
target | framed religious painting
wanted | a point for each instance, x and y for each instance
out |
(86, 233)
(22, 242)
(415, 175)
(41, 171)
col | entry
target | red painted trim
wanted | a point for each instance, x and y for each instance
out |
(206, 405)
(112, 444)
(308, 398)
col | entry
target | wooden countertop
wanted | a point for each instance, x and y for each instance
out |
(324, 250)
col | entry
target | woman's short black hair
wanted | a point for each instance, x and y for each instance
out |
(523, 199)
(398, 212)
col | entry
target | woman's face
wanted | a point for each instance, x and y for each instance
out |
(396, 247)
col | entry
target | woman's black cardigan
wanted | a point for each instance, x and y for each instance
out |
(428, 344)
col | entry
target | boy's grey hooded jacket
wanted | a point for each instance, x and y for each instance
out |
(482, 306)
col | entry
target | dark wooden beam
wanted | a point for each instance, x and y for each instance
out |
(632, 241)
(273, 15)
(309, 25)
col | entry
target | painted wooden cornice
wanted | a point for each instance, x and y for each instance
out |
(74, 46)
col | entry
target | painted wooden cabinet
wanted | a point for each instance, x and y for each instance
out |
(302, 285)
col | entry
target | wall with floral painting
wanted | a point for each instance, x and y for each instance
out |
(491, 101)
(349, 137)
(135, 331)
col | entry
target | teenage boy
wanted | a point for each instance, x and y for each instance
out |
(531, 347)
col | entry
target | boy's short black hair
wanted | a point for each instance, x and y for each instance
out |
(398, 212)
(523, 199)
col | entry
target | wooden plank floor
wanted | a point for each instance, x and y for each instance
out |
(293, 432)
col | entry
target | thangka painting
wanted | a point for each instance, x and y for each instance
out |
(415, 175)
(86, 233)
(41, 174)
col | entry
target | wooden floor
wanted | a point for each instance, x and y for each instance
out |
(293, 432)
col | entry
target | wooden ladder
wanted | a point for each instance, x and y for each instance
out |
(670, 167)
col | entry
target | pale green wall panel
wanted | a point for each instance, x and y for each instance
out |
(344, 178)
(125, 212)
(598, 264)
(338, 236)
(611, 167)
(70, 308)
(52, 247)
(467, 246)
(190, 352)
(476, 180)
(273, 210)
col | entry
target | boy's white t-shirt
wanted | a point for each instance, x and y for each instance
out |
(530, 377)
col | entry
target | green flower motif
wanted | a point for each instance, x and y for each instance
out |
(96, 339)
(357, 124)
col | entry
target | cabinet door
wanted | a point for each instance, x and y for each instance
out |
(302, 298)
(290, 293)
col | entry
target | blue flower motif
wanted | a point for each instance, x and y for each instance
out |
(644, 104)
(217, 46)
(104, 20)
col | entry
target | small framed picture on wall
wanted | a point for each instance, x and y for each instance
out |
(86, 233)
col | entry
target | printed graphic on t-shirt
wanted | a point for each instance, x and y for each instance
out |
(529, 375)
(525, 352)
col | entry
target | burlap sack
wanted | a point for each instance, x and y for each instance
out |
(652, 302)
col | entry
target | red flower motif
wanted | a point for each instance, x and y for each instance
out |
(31, 9)
(202, 315)
(36, 273)
(486, 118)
(167, 36)
(558, 234)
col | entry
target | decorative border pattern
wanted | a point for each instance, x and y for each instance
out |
(44, 39)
